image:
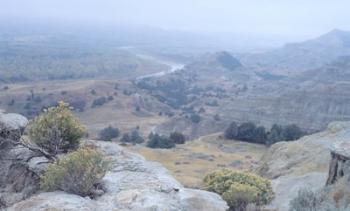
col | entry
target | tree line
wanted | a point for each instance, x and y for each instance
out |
(250, 132)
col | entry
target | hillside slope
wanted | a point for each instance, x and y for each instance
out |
(190, 162)
(302, 163)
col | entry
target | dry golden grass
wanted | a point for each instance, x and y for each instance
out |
(189, 163)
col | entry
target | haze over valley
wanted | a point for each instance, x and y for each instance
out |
(188, 105)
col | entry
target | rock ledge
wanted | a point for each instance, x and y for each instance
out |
(132, 184)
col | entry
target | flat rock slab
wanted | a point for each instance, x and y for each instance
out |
(132, 184)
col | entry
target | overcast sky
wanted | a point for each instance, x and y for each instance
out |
(292, 19)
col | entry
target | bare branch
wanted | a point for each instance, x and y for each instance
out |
(27, 144)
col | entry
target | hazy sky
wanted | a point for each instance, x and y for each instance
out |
(291, 19)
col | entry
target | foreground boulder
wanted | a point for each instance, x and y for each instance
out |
(11, 128)
(132, 184)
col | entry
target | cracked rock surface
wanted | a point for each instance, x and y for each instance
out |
(132, 184)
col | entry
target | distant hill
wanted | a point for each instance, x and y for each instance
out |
(217, 65)
(227, 61)
(296, 57)
(218, 59)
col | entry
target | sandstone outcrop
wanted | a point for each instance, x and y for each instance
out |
(132, 184)
(305, 163)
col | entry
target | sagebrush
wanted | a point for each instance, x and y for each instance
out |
(56, 130)
(76, 173)
(239, 189)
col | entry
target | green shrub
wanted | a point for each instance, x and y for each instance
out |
(249, 132)
(177, 137)
(76, 173)
(110, 98)
(56, 130)
(125, 138)
(307, 200)
(93, 92)
(138, 108)
(246, 131)
(195, 118)
(99, 102)
(239, 189)
(158, 141)
(259, 135)
(329, 198)
(108, 133)
(275, 134)
(292, 132)
(134, 137)
(232, 131)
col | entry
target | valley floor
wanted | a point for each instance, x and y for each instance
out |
(190, 162)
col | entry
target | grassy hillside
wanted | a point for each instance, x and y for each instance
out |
(119, 109)
(189, 163)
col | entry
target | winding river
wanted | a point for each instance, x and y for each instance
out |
(173, 67)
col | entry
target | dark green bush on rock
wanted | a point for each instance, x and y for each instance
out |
(76, 173)
(56, 130)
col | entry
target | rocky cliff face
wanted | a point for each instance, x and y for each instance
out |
(132, 184)
(19, 167)
(340, 163)
(305, 163)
